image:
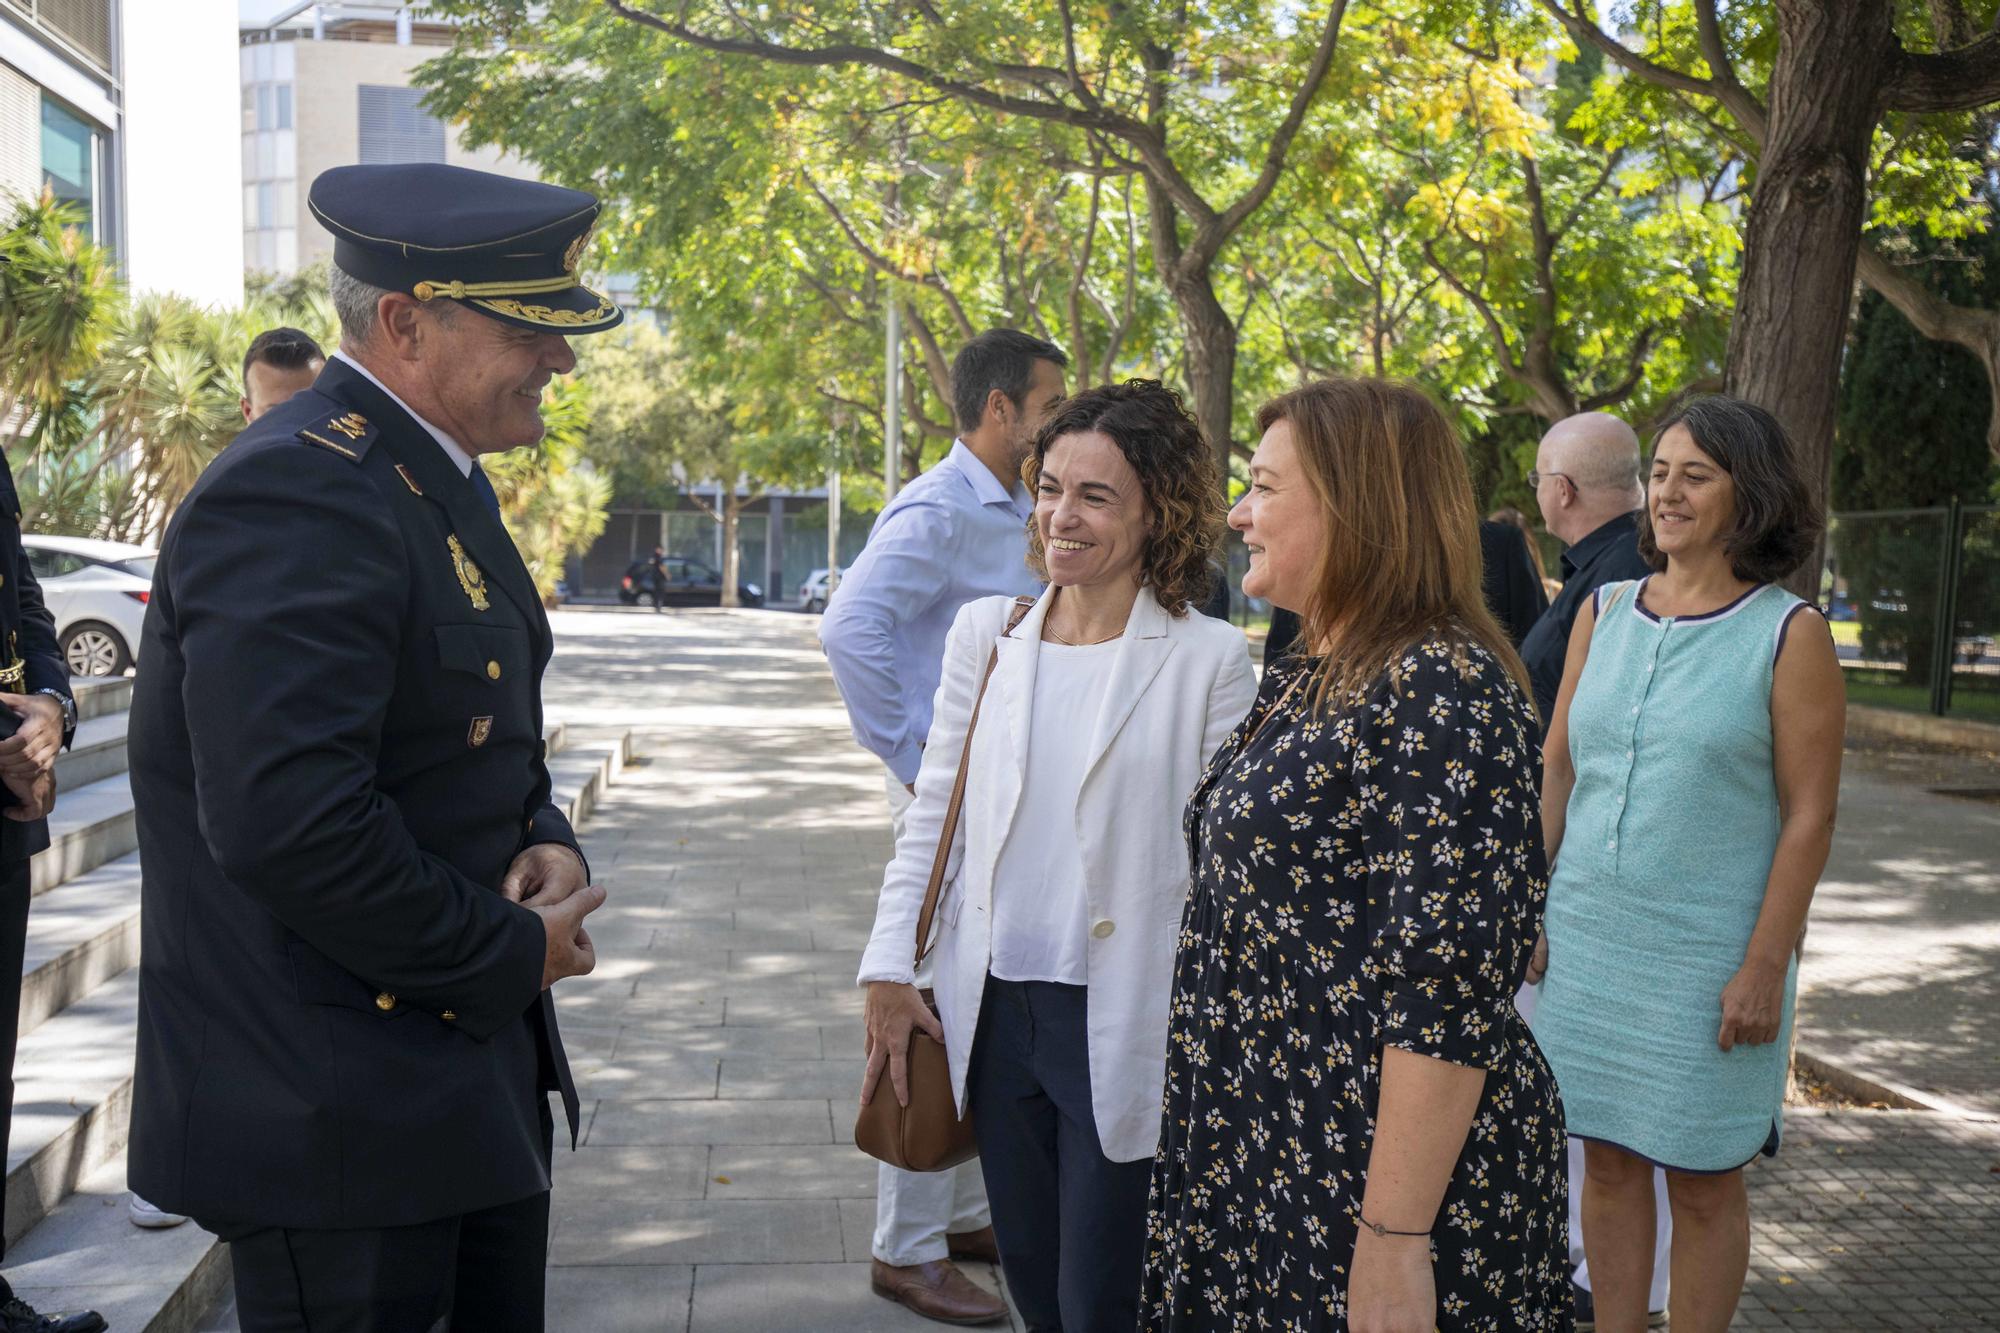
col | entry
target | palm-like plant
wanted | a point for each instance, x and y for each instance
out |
(58, 297)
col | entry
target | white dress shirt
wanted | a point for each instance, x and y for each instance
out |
(452, 450)
(1041, 911)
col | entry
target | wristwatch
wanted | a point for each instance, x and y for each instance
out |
(68, 705)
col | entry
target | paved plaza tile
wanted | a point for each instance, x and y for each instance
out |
(718, 1188)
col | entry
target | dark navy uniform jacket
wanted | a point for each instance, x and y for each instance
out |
(336, 746)
(27, 630)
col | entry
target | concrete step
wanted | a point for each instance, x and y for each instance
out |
(88, 1255)
(99, 696)
(579, 775)
(80, 935)
(72, 1099)
(92, 824)
(96, 753)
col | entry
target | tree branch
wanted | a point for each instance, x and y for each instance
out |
(881, 263)
(1635, 370)
(1962, 79)
(1147, 139)
(1742, 104)
(1974, 329)
(1211, 238)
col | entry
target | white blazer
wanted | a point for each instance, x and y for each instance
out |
(1178, 687)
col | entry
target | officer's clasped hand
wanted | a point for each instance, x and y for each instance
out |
(33, 747)
(570, 952)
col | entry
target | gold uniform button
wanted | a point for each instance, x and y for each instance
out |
(449, 1016)
(385, 1002)
(492, 671)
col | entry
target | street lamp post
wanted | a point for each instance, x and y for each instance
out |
(892, 403)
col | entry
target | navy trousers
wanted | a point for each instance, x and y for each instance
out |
(1070, 1222)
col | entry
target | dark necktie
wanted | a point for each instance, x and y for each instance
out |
(484, 487)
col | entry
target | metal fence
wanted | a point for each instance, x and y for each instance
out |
(1914, 599)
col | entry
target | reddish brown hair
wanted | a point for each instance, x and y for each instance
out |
(1401, 561)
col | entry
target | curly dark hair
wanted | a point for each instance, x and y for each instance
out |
(1777, 519)
(1160, 439)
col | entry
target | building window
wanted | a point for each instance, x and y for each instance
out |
(70, 160)
(396, 128)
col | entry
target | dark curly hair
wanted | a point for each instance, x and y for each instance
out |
(1152, 428)
(1777, 518)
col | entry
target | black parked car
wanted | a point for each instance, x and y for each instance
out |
(682, 582)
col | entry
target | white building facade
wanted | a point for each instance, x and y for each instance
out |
(125, 109)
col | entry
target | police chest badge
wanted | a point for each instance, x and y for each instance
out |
(469, 577)
(476, 735)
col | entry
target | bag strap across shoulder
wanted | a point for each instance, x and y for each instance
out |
(1022, 605)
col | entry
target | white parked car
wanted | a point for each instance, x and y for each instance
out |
(814, 591)
(97, 592)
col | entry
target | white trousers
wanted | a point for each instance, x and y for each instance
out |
(914, 1210)
(1663, 1216)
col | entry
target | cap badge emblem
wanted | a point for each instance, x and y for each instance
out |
(469, 577)
(353, 425)
(575, 251)
(482, 727)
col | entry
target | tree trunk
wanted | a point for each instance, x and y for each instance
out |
(1804, 226)
(1211, 363)
(732, 510)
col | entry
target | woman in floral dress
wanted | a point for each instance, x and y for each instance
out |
(1359, 1130)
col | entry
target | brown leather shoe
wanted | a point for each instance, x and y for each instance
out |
(937, 1290)
(977, 1245)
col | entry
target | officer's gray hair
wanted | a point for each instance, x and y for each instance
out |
(355, 302)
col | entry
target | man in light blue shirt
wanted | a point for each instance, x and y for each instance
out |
(955, 534)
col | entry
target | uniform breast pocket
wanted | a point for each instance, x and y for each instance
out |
(494, 654)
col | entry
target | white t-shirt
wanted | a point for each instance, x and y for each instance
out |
(1041, 926)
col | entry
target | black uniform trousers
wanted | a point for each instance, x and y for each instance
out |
(1069, 1221)
(15, 884)
(478, 1272)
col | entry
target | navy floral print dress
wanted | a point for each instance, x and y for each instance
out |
(1366, 877)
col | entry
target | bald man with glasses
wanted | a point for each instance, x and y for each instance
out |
(1586, 481)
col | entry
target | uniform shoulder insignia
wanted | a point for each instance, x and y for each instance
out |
(348, 434)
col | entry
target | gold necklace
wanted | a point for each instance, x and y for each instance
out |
(1056, 634)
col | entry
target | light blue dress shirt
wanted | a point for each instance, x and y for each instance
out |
(951, 536)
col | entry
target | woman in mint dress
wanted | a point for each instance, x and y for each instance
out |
(1691, 772)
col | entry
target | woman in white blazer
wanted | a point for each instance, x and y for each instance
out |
(1055, 937)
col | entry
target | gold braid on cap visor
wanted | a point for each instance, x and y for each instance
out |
(458, 291)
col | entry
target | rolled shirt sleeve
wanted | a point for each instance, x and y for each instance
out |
(896, 578)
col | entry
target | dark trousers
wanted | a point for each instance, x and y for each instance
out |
(478, 1272)
(1071, 1223)
(15, 883)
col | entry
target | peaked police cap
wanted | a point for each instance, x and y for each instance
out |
(507, 248)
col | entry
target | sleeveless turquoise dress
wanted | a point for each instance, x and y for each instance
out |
(1666, 849)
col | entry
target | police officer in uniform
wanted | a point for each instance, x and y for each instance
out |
(356, 890)
(34, 690)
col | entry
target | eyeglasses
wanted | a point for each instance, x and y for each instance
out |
(1535, 479)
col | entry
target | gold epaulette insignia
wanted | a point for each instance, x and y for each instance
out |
(409, 480)
(469, 577)
(348, 435)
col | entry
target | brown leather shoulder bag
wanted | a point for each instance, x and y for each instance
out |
(929, 1134)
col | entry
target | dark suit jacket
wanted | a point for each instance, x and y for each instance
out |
(27, 627)
(336, 749)
(1513, 592)
(1507, 577)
